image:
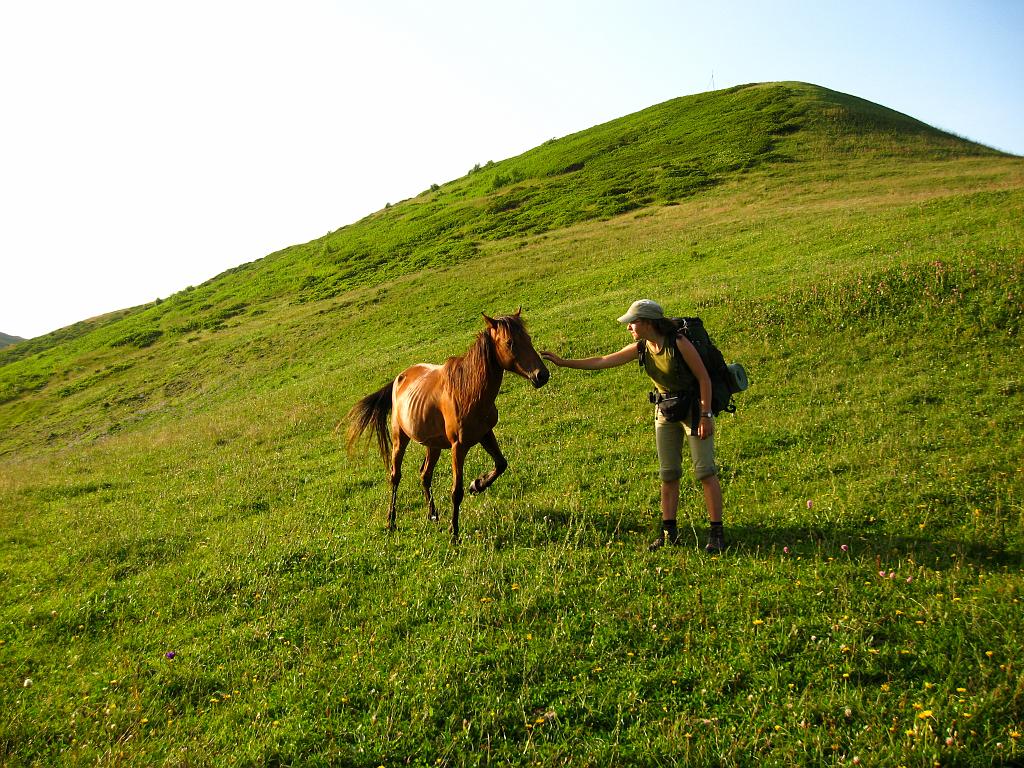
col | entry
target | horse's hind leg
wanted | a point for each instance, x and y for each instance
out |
(427, 476)
(490, 444)
(399, 444)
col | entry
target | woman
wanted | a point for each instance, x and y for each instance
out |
(664, 348)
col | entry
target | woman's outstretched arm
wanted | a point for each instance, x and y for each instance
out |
(625, 355)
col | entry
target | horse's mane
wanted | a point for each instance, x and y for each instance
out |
(470, 373)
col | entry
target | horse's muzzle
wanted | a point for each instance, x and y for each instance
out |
(540, 378)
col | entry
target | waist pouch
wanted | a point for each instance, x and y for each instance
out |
(677, 406)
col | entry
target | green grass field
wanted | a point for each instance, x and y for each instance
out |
(193, 572)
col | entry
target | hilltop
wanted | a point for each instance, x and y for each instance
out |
(194, 571)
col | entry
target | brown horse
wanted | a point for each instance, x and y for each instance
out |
(449, 406)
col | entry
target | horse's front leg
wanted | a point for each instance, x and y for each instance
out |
(427, 476)
(490, 444)
(459, 451)
(400, 441)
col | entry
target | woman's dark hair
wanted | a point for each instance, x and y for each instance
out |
(665, 327)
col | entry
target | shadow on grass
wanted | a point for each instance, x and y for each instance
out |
(935, 551)
(809, 541)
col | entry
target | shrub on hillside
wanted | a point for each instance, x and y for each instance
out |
(142, 338)
(505, 179)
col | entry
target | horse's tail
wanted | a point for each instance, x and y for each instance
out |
(372, 410)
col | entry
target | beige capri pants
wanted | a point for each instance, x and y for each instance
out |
(668, 435)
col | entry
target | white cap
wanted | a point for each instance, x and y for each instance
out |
(643, 309)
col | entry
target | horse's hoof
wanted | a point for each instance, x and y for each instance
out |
(474, 488)
(433, 517)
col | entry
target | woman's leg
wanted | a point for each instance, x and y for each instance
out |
(712, 497)
(703, 454)
(669, 440)
(670, 499)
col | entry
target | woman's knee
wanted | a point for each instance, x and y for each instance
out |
(706, 474)
(670, 474)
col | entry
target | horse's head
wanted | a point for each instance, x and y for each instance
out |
(515, 348)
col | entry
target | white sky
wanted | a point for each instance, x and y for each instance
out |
(147, 146)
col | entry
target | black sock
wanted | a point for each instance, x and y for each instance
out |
(669, 531)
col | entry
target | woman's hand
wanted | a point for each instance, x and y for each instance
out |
(553, 358)
(706, 428)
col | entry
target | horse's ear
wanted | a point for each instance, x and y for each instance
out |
(519, 311)
(489, 320)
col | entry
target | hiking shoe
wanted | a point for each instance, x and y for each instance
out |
(716, 541)
(666, 539)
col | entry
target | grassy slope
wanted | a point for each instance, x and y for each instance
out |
(185, 490)
(659, 156)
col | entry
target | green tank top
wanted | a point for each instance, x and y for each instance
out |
(667, 369)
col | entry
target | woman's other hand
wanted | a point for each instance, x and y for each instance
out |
(706, 427)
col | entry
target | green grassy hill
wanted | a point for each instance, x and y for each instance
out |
(193, 571)
(6, 340)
